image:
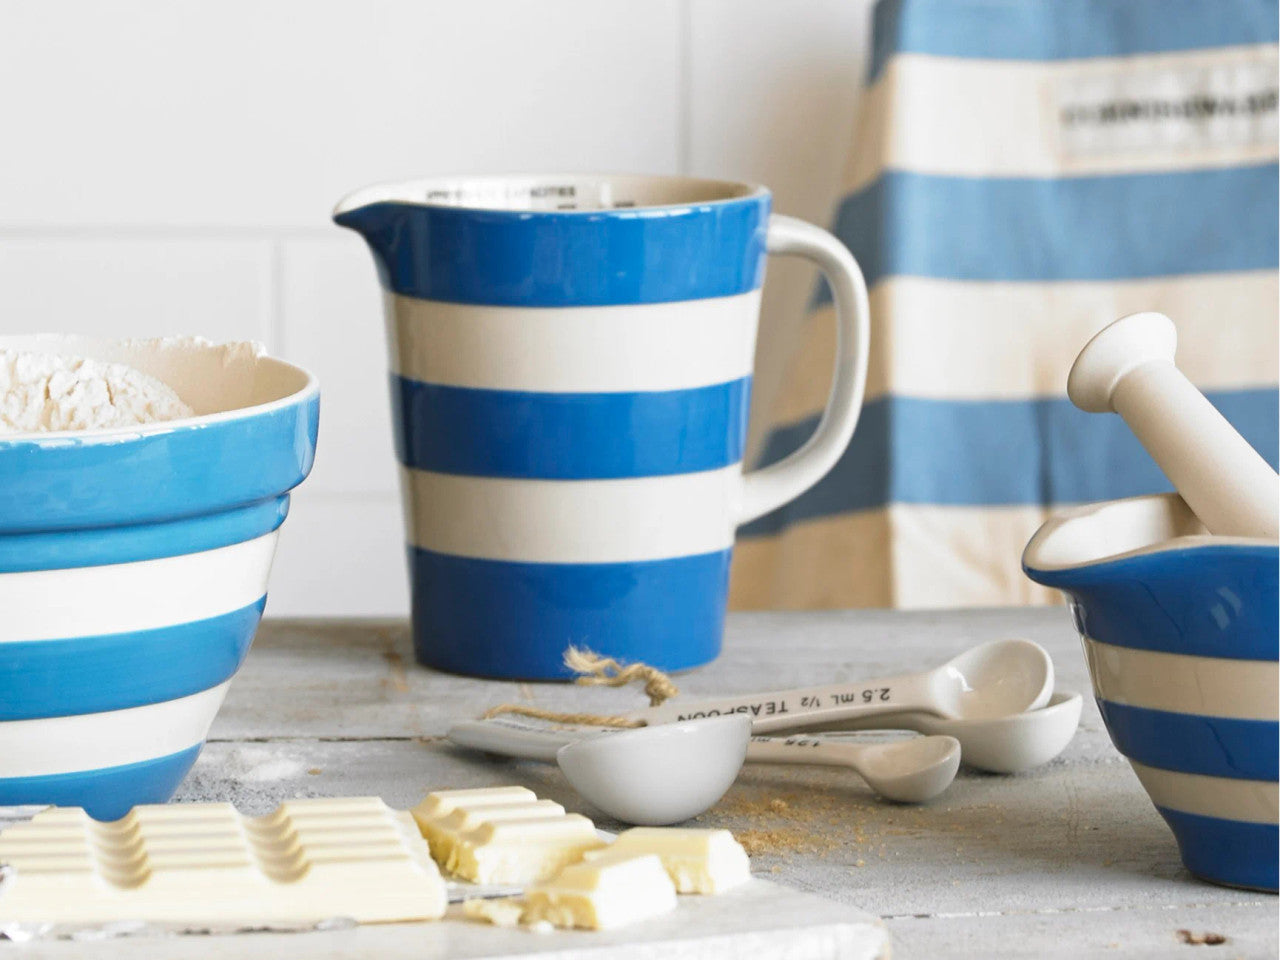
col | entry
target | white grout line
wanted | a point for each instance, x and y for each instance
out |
(134, 231)
(684, 113)
(274, 296)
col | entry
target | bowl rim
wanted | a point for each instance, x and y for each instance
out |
(310, 387)
(1031, 553)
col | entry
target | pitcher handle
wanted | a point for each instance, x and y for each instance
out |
(770, 487)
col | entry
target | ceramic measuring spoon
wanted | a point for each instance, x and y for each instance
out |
(993, 679)
(1128, 368)
(909, 771)
(651, 776)
(1009, 744)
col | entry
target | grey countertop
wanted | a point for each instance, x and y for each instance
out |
(1067, 860)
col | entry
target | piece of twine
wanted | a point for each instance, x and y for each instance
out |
(594, 670)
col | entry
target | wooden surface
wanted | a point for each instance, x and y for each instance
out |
(1068, 860)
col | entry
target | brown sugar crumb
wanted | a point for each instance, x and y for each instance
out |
(757, 842)
(772, 819)
(1198, 939)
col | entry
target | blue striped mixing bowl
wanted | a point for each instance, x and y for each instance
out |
(1180, 632)
(133, 570)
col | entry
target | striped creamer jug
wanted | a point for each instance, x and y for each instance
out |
(571, 363)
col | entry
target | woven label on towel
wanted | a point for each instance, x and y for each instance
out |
(1180, 107)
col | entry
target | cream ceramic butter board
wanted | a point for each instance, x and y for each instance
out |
(313, 866)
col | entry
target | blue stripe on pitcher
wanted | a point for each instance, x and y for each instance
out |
(1057, 30)
(956, 452)
(77, 675)
(568, 436)
(978, 228)
(647, 255)
(517, 618)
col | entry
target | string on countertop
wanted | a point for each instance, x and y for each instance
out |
(594, 670)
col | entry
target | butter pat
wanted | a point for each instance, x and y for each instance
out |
(446, 801)
(697, 860)
(601, 894)
(204, 862)
(499, 911)
(502, 834)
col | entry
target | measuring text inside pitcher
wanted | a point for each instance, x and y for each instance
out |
(573, 193)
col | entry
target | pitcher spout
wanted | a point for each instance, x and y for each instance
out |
(384, 224)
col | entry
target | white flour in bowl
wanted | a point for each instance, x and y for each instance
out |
(44, 392)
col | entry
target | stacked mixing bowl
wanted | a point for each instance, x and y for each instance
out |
(133, 570)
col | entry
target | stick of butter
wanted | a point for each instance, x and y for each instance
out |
(601, 894)
(502, 834)
(697, 860)
(204, 862)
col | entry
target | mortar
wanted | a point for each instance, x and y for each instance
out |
(1180, 632)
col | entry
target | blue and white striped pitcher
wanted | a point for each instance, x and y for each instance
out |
(571, 363)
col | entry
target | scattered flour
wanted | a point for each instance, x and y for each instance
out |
(43, 391)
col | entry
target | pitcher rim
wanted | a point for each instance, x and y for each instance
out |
(391, 191)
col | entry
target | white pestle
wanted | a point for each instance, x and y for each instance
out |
(1128, 368)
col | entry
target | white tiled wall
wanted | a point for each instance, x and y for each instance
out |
(168, 166)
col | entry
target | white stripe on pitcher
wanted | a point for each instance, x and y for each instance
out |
(627, 348)
(572, 521)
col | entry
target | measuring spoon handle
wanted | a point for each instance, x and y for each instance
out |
(511, 738)
(807, 706)
(808, 750)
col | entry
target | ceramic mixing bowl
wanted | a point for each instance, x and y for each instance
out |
(133, 570)
(1180, 632)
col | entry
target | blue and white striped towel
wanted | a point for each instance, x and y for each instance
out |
(1024, 172)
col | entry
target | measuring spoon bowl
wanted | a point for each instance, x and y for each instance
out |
(653, 776)
(995, 679)
(650, 776)
(910, 770)
(1009, 744)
